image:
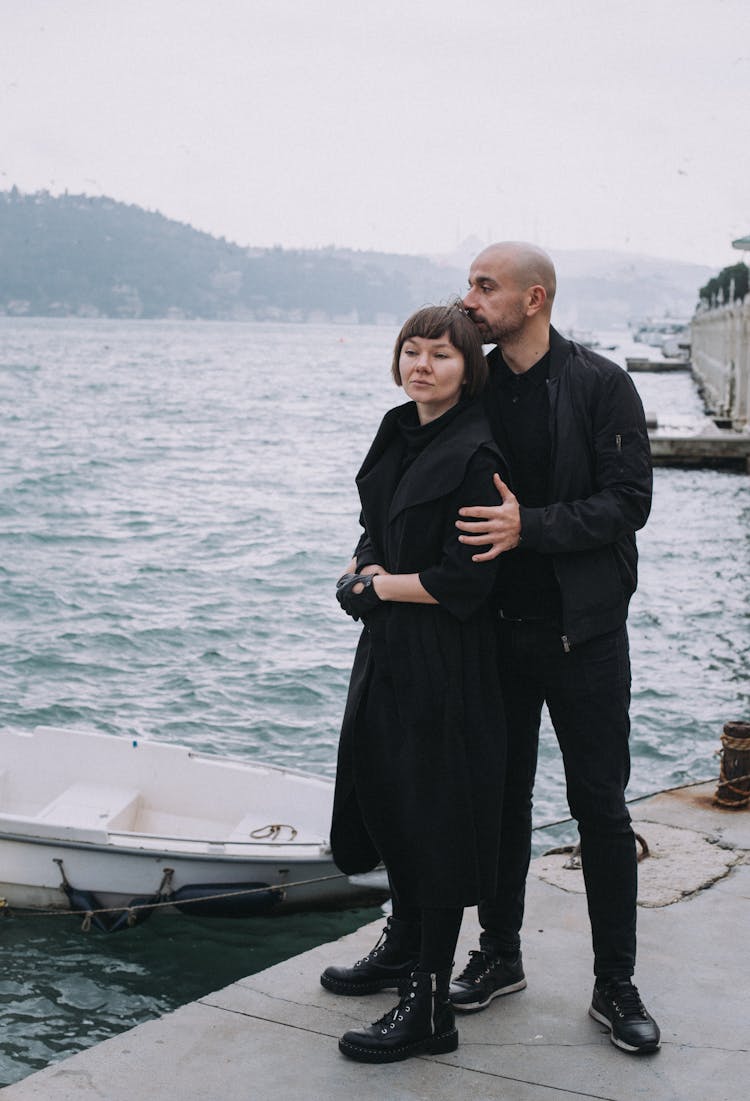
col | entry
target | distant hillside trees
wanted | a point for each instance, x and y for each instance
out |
(76, 255)
(731, 284)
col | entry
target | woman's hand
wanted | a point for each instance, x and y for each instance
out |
(356, 594)
(352, 568)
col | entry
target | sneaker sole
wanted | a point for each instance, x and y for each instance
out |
(475, 1007)
(434, 1045)
(644, 1049)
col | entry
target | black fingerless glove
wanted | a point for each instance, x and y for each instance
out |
(357, 604)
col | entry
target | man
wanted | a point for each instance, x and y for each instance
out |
(573, 430)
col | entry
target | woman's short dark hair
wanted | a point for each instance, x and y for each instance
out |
(432, 322)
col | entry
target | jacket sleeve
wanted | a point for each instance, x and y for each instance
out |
(364, 552)
(458, 584)
(620, 475)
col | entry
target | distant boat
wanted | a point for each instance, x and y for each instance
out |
(655, 330)
(115, 828)
(588, 339)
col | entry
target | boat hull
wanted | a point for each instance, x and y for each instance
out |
(32, 877)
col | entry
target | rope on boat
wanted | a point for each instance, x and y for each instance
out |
(271, 833)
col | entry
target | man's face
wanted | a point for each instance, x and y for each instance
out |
(495, 302)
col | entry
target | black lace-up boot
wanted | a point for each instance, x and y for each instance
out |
(386, 967)
(421, 1024)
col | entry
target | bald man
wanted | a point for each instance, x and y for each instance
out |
(572, 427)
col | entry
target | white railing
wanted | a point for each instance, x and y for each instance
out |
(720, 353)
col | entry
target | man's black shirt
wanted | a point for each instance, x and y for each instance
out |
(517, 407)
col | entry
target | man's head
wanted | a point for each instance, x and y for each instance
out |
(511, 289)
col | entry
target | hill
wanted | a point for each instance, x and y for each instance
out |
(74, 255)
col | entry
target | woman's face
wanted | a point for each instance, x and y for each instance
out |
(432, 374)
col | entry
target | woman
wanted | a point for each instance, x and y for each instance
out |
(421, 755)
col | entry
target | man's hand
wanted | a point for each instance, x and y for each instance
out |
(499, 525)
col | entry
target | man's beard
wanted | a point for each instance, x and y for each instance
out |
(504, 328)
(507, 327)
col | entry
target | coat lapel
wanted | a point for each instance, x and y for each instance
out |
(440, 468)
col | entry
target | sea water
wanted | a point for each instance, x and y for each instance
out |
(176, 501)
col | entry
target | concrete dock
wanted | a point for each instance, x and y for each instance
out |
(636, 364)
(711, 446)
(273, 1035)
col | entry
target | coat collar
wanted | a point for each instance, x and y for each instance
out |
(439, 468)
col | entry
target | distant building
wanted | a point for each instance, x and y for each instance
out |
(720, 351)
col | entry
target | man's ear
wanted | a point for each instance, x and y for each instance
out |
(537, 297)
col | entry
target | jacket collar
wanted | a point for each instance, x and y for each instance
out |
(560, 350)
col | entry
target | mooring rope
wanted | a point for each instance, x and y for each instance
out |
(90, 913)
(740, 796)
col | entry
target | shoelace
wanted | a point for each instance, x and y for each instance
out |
(393, 1016)
(479, 965)
(625, 999)
(374, 951)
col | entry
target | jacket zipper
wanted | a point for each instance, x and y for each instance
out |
(566, 643)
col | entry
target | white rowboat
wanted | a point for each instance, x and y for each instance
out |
(95, 822)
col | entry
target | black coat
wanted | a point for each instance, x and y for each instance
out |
(421, 757)
(600, 487)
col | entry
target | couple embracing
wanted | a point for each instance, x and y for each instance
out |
(493, 575)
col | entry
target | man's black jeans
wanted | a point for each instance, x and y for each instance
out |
(587, 692)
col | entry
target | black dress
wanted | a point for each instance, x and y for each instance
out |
(422, 750)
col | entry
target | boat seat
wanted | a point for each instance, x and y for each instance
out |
(93, 806)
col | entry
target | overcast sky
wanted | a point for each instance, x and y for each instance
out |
(403, 125)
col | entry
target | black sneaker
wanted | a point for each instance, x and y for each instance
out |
(486, 976)
(617, 1004)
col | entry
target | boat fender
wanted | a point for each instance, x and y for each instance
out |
(138, 910)
(87, 902)
(231, 900)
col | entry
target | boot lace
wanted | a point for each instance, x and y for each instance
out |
(374, 952)
(393, 1017)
